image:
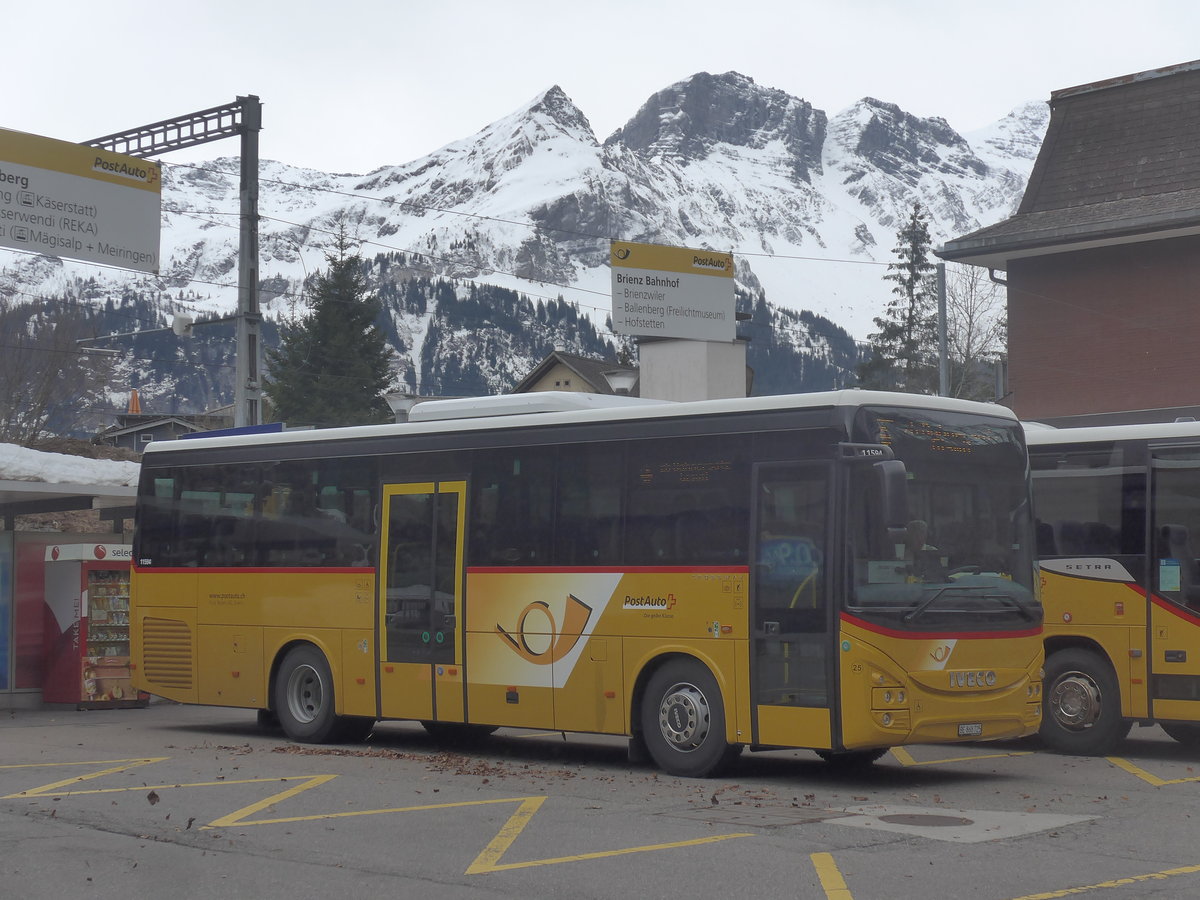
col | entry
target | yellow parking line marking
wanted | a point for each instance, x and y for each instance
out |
(1135, 770)
(54, 787)
(1144, 775)
(832, 881)
(1115, 883)
(93, 762)
(235, 819)
(43, 792)
(906, 758)
(476, 870)
(489, 859)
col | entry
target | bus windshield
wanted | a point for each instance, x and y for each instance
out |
(963, 557)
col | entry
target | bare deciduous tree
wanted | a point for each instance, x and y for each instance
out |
(976, 331)
(47, 383)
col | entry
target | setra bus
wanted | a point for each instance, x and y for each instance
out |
(1118, 520)
(697, 576)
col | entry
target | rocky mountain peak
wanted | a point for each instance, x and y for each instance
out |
(690, 118)
(554, 109)
(899, 143)
(1016, 136)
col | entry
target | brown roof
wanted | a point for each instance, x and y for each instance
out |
(589, 369)
(1120, 162)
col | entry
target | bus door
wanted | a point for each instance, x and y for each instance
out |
(791, 669)
(420, 603)
(1175, 577)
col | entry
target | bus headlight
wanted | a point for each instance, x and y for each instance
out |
(896, 720)
(888, 698)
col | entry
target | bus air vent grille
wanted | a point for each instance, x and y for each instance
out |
(167, 652)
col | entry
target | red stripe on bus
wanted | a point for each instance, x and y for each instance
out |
(258, 570)
(485, 570)
(584, 570)
(938, 635)
(1175, 609)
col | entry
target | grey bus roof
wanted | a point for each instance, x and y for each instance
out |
(1037, 434)
(519, 404)
(607, 412)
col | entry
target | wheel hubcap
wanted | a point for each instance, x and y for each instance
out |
(684, 717)
(1075, 701)
(305, 694)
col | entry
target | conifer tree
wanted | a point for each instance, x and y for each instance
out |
(904, 354)
(333, 366)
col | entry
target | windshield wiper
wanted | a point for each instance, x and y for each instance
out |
(985, 592)
(923, 605)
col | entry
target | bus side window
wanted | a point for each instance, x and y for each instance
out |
(513, 510)
(345, 507)
(1176, 494)
(1084, 498)
(1046, 545)
(1178, 571)
(685, 501)
(216, 509)
(158, 533)
(588, 515)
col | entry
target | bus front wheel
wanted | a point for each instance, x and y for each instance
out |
(683, 721)
(1082, 704)
(304, 700)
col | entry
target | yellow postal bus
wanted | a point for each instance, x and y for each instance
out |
(844, 572)
(1118, 520)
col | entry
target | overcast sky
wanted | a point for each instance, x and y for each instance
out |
(352, 85)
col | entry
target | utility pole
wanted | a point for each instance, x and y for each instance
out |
(943, 357)
(247, 391)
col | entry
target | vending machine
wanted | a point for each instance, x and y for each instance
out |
(86, 626)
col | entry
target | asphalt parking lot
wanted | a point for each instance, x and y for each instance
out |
(199, 802)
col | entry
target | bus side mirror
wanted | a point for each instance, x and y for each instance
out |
(892, 482)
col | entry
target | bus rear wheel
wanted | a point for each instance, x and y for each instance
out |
(1082, 704)
(683, 721)
(304, 701)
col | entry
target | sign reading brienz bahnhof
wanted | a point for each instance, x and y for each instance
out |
(674, 292)
(64, 199)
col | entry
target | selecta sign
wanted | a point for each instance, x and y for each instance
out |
(672, 292)
(64, 199)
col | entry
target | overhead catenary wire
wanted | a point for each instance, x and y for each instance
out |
(178, 280)
(427, 208)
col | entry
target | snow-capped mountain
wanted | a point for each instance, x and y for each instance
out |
(808, 204)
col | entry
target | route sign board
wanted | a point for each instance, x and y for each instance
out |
(64, 199)
(675, 292)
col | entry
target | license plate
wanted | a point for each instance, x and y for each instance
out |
(973, 729)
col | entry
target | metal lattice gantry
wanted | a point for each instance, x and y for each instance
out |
(242, 118)
(227, 120)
